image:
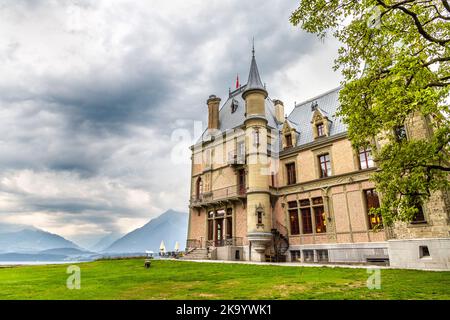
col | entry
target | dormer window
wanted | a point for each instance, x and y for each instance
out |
(320, 130)
(320, 123)
(288, 135)
(288, 140)
(234, 106)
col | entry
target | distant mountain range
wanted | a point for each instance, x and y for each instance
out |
(31, 240)
(105, 242)
(24, 243)
(170, 227)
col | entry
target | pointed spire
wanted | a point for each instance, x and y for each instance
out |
(253, 47)
(254, 80)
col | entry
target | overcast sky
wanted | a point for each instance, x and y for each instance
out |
(92, 91)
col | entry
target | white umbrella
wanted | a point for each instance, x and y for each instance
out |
(162, 247)
(177, 246)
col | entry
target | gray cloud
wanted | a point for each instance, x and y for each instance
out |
(91, 92)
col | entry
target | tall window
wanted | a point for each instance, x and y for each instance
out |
(260, 221)
(229, 220)
(198, 188)
(365, 158)
(372, 201)
(293, 217)
(320, 129)
(241, 181)
(210, 225)
(241, 149)
(306, 220)
(291, 176)
(256, 138)
(308, 207)
(319, 215)
(288, 140)
(400, 133)
(420, 216)
(325, 165)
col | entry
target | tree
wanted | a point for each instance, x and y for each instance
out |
(395, 59)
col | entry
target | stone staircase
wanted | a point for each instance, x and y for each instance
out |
(197, 254)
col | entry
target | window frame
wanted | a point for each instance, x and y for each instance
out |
(368, 159)
(379, 222)
(327, 164)
(415, 221)
(291, 174)
(288, 138)
(320, 128)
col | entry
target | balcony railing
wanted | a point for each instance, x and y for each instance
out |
(234, 241)
(220, 194)
(236, 158)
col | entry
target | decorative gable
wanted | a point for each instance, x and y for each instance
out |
(320, 122)
(289, 135)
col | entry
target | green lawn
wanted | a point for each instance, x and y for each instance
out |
(128, 279)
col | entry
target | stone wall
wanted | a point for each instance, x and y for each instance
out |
(411, 253)
(436, 211)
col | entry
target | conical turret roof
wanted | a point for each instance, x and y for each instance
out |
(254, 80)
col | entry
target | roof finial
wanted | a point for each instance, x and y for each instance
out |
(253, 47)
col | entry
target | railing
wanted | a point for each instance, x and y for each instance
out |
(219, 194)
(281, 228)
(234, 158)
(193, 244)
(235, 241)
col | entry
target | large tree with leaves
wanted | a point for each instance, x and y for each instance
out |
(395, 59)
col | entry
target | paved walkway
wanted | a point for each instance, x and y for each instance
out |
(311, 265)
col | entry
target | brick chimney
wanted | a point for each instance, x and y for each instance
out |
(279, 110)
(213, 112)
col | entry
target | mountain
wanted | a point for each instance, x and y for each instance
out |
(30, 257)
(30, 240)
(171, 226)
(66, 252)
(105, 242)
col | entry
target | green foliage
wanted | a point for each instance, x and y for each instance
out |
(395, 59)
(128, 279)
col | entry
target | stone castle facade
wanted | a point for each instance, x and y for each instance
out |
(266, 187)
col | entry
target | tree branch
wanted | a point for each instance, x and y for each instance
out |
(446, 5)
(417, 22)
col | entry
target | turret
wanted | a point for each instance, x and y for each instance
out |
(259, 211)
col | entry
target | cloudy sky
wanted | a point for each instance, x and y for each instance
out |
(96, 95)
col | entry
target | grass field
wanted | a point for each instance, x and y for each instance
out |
(128, 279)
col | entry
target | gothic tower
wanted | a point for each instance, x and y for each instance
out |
(259, 213)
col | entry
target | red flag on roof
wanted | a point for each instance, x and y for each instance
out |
(237, 81)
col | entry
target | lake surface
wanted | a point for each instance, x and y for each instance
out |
(30, 263)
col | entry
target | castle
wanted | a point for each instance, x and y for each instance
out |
(266, 187)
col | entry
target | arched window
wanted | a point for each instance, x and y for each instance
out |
(198, 188)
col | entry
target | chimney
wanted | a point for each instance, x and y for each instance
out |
(279, 110)
(213, 112)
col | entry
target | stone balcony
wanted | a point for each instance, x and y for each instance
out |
(217, 196)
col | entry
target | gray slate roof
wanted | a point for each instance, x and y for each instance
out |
(300, 118)
(230, 120)
(328, 103)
